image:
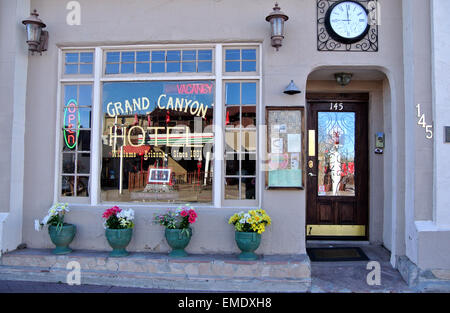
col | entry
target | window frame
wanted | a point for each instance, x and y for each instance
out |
(63, 80)
(157, 75)
(240, 130)
(97, 79)
(241, 73)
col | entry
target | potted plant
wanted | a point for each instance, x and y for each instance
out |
(118, 229)
(248, 229)
(61, 234)
(178, 232)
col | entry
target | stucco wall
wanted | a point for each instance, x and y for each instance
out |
(114, 22)
(6, 114)
(13, 85)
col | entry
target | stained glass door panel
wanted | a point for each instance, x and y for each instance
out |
(336, 154)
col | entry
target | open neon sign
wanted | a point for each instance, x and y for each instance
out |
(71, 114)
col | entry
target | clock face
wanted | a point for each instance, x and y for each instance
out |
(347, 21)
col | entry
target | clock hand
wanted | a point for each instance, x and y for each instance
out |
(348, 18)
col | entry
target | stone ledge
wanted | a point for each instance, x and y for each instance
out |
(433, 280)
(289, 273)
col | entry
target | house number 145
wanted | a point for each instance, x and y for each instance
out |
(421, 122)
(336, 106)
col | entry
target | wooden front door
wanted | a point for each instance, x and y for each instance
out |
(337, 166)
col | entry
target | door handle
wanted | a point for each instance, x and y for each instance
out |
(312, 175)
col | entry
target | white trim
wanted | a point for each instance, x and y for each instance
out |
(260, 136)
(218, 132)
(58, 132)
(94, 179)
(250, 77)
(75, 79)
(159, 45)
(82, 48)
(156, 46)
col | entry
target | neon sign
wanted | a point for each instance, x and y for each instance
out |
(70, 119)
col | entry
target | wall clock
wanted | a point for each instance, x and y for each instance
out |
(347, 25)
(347, 21)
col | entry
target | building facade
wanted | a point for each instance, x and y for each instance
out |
(153, 104)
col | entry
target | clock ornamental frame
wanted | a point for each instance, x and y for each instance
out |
(337, 37)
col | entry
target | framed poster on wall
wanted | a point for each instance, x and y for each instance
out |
(285, 146)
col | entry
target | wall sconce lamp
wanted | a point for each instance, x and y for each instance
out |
(37, 39)
(277, 19)
(291, 89)
(343, 79)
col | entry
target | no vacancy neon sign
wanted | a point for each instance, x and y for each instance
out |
(71, 114)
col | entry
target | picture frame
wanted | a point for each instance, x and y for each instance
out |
(285, 159)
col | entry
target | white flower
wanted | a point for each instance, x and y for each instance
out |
(45, 219)
(127, 214)
(242, 221)
(37, 225)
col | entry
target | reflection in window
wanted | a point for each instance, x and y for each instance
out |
(240, 60)
(159, 61)
(157, 140)
(78, 63)
(240, 140)
(336, 145)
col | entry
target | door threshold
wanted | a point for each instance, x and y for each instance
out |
(336, 242)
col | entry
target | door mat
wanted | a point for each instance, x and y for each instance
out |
(335, 254)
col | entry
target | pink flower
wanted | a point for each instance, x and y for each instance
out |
(191, 219)
(111, 211)
(192, 213)
(183, 213)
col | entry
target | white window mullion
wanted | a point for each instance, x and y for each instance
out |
(96, 125)
(261, 136)
(218, 132)
(56, 191)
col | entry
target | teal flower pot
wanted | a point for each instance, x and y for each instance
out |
(62, 237)
(178, 240)
(248, 242)
(118, 239)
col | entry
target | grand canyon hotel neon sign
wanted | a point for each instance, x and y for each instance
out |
(164, 102)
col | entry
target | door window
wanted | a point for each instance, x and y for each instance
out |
(336, 154)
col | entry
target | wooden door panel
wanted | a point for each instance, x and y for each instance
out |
(326, 213)
(347, 213)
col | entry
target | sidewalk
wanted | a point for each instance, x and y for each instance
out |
(10, 286)
(352, 276)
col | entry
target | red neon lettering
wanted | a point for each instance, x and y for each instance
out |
(71, 139)
(71, 106)
(194, 88)
(71, 117)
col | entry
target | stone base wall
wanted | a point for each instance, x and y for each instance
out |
(424, 280)
(281, 273)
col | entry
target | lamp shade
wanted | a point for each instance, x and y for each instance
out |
(291, 89)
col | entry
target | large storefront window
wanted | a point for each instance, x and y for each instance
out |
(157, 141)
(136, 124)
